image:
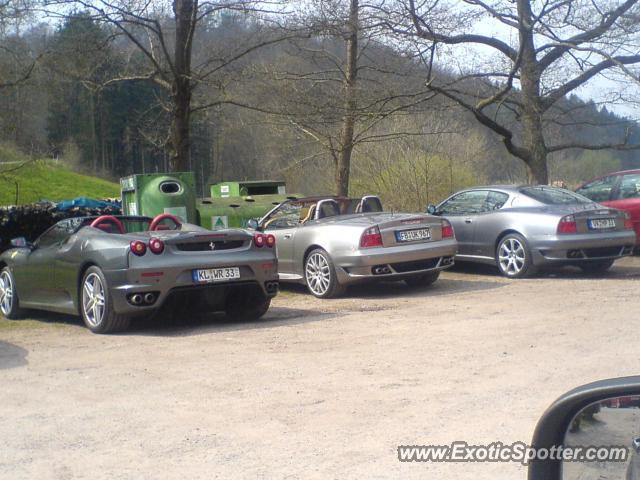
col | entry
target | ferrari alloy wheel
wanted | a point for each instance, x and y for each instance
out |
(93, 303)
(8, 298)
(96, 306)
(320, 275)
(513, 257)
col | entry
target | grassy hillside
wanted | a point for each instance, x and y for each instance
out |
(42, 180)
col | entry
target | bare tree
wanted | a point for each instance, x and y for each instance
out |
(342, 86)
(539, 52)
(166, 42)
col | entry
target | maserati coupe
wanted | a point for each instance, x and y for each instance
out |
(522, 228)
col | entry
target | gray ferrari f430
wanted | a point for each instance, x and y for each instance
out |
(328, 243)
(111, 269)
(521, 228)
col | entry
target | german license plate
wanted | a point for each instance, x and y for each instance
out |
(211, 275)
(602, 223)
(413, 235)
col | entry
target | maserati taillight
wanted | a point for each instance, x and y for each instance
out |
(371, 238)
(447, 229)
(567, 225)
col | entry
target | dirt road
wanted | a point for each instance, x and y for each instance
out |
(318, 389)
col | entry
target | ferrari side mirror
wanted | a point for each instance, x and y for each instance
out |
(20, 242)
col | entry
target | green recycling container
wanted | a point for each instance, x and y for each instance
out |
(153, 194)
(233, 204)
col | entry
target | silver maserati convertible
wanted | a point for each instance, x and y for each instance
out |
(520, 228)
(330, 242)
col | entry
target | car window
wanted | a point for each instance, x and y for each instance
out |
(629, 186)
(55, 235)
(496, 200)
(599, 190)
(288, 215)
(553, 196)
(465, 203)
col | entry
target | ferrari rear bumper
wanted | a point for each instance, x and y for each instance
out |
(143, 291)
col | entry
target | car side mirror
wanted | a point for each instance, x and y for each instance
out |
(432, 209)
(589, 432)
(253, 224)
(21, 242)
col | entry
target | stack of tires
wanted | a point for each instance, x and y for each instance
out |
(31, 220)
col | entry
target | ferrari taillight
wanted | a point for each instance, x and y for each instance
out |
(567, 224)
(259, 240)
(156, 246)
(628, 224)
(271, 241)
(138, 248)
(447, 229)
(371, 238)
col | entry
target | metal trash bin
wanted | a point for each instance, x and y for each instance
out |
(233, 204)
(153, 194)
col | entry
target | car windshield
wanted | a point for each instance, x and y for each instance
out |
(554, 196)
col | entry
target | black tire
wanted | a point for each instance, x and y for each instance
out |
(600, 266)
(423, 280)
(108, 321)
(320, 275)
(241, 308)
(9, 301)
(513, 257)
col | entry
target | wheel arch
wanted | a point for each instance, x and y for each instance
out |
(503, 234)
(310, 249)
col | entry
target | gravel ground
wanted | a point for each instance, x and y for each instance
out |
(317, 389)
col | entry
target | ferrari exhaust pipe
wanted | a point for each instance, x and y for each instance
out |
(136, 299)
(149, 298)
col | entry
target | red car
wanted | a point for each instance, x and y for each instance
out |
(617, 190)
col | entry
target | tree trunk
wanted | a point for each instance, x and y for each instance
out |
(532, 111)
(182, 88)
(94, 133)
(343, 163)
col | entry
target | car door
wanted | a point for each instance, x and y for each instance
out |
(487, 225)
(283, 223)
(600, 190)
(36, 276)
(462, 211)
(627, 197)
